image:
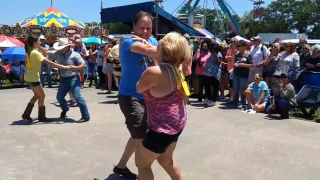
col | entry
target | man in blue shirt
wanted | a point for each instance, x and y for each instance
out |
(135, 53)
(257, 95)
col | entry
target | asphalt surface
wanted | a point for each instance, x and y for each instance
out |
(217, 144)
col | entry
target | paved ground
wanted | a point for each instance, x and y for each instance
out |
(217, 144)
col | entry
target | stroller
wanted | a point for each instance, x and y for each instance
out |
(309, 95)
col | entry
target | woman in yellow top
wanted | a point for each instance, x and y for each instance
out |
(32, 77)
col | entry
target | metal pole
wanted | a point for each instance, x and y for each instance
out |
(51, 3)
(253, 21)
(101, 22)
(157, 16)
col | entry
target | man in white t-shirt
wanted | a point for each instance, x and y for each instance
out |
(258, 53)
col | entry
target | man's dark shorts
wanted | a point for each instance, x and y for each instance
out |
(134, 111)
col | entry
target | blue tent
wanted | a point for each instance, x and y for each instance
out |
(167, 22)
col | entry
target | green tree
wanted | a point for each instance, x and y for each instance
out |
(284, 16)
(117, 28)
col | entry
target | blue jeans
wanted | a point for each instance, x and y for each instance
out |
(92, 70)
(239, 86)
(283, 107)
(72, 84)
(47, 69)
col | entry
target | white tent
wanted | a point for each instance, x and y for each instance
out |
(241, 38)
(296, 41)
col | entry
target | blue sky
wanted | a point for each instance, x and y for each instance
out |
(14, 11)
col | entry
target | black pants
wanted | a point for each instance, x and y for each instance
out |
(211, 88)
(202, 81)
(102, 76)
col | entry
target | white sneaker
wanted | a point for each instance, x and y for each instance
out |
(211, 103)
(251, 111)
(245, 110)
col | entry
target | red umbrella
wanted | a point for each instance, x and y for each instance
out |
(6, 41)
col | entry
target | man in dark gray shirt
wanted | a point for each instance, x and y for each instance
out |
(284, 98)
(70, 80)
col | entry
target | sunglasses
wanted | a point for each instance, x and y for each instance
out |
(305, 48)
(274, 47)
(239, 46)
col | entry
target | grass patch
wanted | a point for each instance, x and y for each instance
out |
(6, 84)
(297, 114)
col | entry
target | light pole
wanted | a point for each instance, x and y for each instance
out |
(101, 22)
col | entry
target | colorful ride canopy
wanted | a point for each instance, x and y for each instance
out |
(49, 17)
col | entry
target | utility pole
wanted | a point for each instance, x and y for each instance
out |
(51, 3)
(101, 35)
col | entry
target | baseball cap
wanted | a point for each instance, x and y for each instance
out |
(284, 75)
(111, 37)
(256, 38)
(187, 36)
(77, 36)
(42, 37)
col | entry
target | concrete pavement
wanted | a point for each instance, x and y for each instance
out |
(217, 144)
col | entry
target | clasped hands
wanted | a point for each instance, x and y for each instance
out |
(71, 68)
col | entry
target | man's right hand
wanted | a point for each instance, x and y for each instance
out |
(273, 106)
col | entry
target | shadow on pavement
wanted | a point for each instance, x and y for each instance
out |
(229, 107)
(109, 102)
(56, 104)
(115, 96)
(273, 117)
(36, 122)
(102, 93)
(197, 105)
(116, 177)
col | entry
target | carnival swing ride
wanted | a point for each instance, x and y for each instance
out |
(238, 26)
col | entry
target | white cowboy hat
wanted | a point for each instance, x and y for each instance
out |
(42, 37)
(62, 43)
(111, 37)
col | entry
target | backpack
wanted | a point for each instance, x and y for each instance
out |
(262, 50)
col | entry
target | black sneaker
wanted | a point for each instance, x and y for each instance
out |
(82, 120)
(126, 173)
(63, 114)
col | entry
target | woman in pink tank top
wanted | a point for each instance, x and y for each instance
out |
(166, 107)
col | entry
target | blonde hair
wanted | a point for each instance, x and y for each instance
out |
(224, 45)
(175, 49)
(277, 45)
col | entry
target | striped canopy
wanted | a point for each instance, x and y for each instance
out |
(49, 17)
(205, 32)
